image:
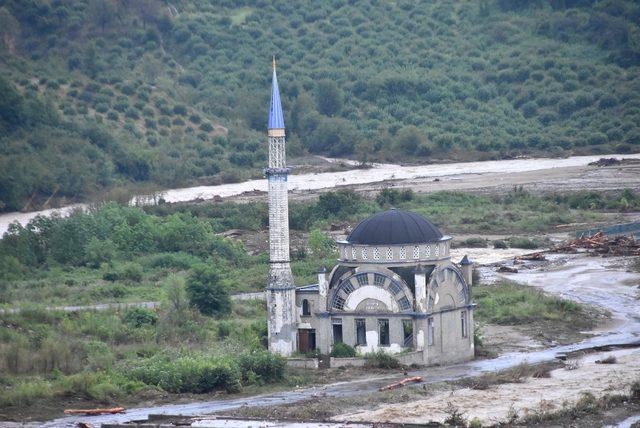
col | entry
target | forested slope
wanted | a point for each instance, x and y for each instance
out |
(99, 93)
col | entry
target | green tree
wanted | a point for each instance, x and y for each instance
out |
(320, 244)
(329, 97)
(206, 291)
(409, 139)
(102, 12)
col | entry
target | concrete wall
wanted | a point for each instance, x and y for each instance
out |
(345, 362)
(303, 363)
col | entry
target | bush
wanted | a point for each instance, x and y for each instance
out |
(392, 197)
(196, 374)
(99, 251)
(138, 317)
(265, 367)
(524, 243)
(131, 272)
(500, 244)
(179, 260)
(342, 350)
(381, 360)
(635, 391)
(206, 291)
(474, 242)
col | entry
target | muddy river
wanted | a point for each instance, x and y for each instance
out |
(603, 282)
(376, 174)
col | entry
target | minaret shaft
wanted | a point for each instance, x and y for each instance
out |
(281, 293)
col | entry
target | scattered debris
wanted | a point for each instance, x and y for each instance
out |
(611, 359)
(231, 233)
(602, 244)
(401, 383)
(605, 162)
(93, 412)
(539, 257)
(338, 226)
(507, 269)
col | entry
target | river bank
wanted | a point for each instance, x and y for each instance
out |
(545, 174)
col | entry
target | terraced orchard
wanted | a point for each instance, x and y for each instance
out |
(98, 94)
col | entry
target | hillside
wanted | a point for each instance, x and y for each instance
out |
(102, 93)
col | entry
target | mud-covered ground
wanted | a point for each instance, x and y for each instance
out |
(609, 284)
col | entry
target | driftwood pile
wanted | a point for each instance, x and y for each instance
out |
(602, 244)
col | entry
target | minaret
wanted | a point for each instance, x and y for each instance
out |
(281, 293)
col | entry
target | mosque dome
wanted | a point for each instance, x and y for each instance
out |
(394, 227)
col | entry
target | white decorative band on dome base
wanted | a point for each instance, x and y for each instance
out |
(397, 254)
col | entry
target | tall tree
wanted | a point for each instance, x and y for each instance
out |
(329, 97)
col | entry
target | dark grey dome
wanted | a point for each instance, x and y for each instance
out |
(394, 227)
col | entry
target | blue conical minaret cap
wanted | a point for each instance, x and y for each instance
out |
(276, 119)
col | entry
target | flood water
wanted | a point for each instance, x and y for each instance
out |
(316, 181)
(603, 282)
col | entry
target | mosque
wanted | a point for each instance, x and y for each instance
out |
(394, 287)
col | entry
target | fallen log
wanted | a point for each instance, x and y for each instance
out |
(94, 412)
(531, 256)
(401, 383)
(507, 269)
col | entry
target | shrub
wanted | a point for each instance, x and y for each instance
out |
(206, 127)
(524, 243)
(474, 242)
(138, 317)
(635, 391)
(381, 360)
(500, 244)
(179, 260)
(391, 197)
(196, 374)
(342, 350)
(180, 109)
(455, 417)
(265, 366)
(99, 251)
(132, 272)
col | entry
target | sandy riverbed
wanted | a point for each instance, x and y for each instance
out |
(563, 388)
(541, 174)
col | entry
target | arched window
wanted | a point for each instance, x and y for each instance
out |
(305, 308)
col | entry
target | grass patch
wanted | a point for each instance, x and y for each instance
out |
(516, 374)
(510, 303)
